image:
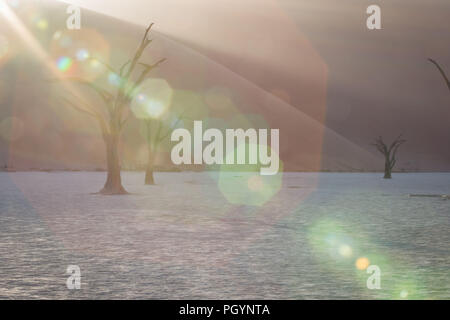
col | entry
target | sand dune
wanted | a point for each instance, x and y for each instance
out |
(48, 135)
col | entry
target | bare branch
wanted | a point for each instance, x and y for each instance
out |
(122, 68)
(143, 76)
(394, 152)
(379, 148)
(393, 162)
(441, 71)
(107, 66)
(380, 145)
(396, 142)
(78, 108)
(144, 43)
(124, 121)
(105, 95)
(164, 136)
(123, 95)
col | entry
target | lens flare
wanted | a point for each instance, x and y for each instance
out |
(141, 98)
(64, 63)
(345, 251)
(248, 188)
(82, 54)
(153, 100)
(155, 108)
(57, 35)
(95, 64)
(65, 41)
(84, 47)
(42, 24)
(190, 103)
(114, 79)
(255, 183)
(243, 184)
(362, 263)
(409, 285)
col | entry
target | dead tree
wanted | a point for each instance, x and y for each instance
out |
(390, 154)
(156, 132)
(114, 115)
(441, 71)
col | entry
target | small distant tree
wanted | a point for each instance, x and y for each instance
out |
(389, 153)
(156, 132)
(441, 71)
(116, 103)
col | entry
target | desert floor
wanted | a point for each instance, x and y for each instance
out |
(225, 236)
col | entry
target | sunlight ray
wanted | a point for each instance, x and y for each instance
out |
(27, 37)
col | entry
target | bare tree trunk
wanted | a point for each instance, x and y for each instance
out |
(387, 168)
(149, 179)
(113, 183)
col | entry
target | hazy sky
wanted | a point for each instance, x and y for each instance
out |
(278, 32)
(319, 57)
(231, 26)
(312, 49)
